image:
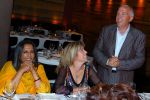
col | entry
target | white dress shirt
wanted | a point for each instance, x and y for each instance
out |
(120, 38)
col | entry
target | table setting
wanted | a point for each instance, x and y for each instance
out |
(82, 95)
(52, 57)
(40, 96)
(54, 96)
(48, 57)
(144, 96)
(44, 96)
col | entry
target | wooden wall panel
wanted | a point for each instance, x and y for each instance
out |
(48, 10)
(5, 18)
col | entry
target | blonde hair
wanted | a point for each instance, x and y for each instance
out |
(69, 53)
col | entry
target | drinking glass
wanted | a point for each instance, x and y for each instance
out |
(51, 47)
(133, 85)
(45, 52)
(9, 90)
(60, 49)
(83, 92)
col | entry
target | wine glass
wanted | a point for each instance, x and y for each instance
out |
(83, 92)
(133, 85)
(60, 49)
(52, 47)
(9, 90)
(45, 52)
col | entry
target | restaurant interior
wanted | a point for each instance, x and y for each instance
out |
(82, 18)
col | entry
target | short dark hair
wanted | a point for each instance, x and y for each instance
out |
(18, 52)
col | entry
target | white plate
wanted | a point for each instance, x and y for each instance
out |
(24, 97)
(144, 96)
(50, 96)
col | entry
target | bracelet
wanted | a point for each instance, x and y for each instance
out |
(37, 79)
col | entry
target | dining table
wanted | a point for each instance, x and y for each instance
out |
(54, 96)
(40, 96)
(48, 58)
(53, 58)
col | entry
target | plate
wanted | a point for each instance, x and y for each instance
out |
(46, 96)
(144, 96)
(24, 97)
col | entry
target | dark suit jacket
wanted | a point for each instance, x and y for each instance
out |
(131, 56)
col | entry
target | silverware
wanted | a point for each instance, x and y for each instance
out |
(141, 97)
(3, 96)
(67, 96)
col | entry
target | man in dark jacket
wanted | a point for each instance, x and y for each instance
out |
(120, 49)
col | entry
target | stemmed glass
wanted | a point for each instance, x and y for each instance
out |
(9, 90)
(51, 47)
(45, 52)
(60, 49)
(83, 92)
(133, 85)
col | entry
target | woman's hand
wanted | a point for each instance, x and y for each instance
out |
(26, 67)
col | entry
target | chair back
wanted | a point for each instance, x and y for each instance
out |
(75, 37)
(65, 44)
(13, 41)
(49, 43)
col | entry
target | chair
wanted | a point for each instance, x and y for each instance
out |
(65, 44)
(75, 37)
(12, 44)
(51, 74)
(49, 44)
(13, 41)
(35, 41)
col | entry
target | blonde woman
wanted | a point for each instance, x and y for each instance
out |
(74, 71)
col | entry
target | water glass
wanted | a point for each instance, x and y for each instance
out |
(9, 90)
(133, 85)
(52, 47)
(146, 96)
(83, 92)
(45, 52)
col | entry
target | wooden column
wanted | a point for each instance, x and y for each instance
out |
(5, 19)
(68, 11)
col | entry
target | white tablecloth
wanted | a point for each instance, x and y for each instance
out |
(47, 60)
(53, 60)
(53, 96)
(50, 61)
(45, 96)
(42, 96)
(144, 96)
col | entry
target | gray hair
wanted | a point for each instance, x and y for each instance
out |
(130, 9)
